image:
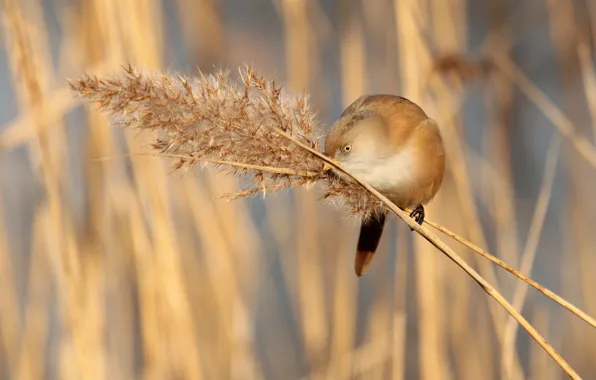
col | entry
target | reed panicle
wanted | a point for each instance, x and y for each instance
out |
(231, 124)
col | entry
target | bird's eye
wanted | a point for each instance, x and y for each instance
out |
(347, 148)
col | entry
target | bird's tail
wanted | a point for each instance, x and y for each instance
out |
(370, 235)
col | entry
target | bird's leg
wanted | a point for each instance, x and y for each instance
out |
(418, 215)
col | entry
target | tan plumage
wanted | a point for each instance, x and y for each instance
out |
(389, 142)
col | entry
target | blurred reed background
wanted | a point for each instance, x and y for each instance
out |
(119, 269)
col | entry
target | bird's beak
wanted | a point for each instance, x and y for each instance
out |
(327, 167)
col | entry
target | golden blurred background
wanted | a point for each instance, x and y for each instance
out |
(121, 269)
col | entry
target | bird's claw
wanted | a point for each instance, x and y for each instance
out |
(418, 215)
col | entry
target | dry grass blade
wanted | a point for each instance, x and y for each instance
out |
(547, 292)
(589, 78)
(212, 118)
(556, 116)
(59, 102)
(191, 159)
(530, 250)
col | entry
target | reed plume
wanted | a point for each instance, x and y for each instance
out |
(232, 124)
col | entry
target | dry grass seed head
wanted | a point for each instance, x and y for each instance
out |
(212, 117)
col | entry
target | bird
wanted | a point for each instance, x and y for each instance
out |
(390, 143)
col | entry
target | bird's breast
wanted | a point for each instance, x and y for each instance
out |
(392, 174)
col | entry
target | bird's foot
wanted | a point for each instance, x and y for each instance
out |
(418, 215)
